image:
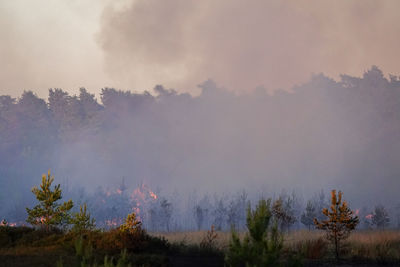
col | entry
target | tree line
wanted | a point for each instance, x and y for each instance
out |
(163, 213)
(325, 130)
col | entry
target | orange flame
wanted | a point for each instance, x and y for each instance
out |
(139, 198)
(142, 194)
(153, 195)
(42, 219)
(10, 224)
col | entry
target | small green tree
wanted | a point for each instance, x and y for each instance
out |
(132, 225)
(340, 221)
(48, 213)
(82, 220)
(262, 244)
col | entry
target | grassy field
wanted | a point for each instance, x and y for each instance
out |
(362, 248)
(22, 246)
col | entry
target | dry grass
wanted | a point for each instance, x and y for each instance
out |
(374, 237)
(379, 246)
(195, 237)
(223, 238)
(382, 246)
(294, 237)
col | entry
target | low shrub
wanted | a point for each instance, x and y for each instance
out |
(19, 236)
(209, 241)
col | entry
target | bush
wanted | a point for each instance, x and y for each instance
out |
(209, 241)
(12, 236)
(112, 242)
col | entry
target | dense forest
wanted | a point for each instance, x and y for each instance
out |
(206, 149)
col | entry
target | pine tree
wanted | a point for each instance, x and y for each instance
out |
(132, 225)
(48, 213)
(263, 243)
(340, 221)
(82, 220)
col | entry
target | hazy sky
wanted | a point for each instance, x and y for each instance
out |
(180, 43)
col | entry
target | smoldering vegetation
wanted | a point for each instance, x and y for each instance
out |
(186, 162)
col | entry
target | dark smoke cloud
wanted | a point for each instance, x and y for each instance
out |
(244, 44)
(141, 43)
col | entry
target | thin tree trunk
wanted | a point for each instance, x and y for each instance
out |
(336, 247)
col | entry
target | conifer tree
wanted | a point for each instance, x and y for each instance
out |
(48, 213)
(132, 225)
(82, 220)
(263, 243)
(340, 221)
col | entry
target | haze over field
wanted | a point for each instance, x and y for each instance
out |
(326, 134)
(246, 111)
